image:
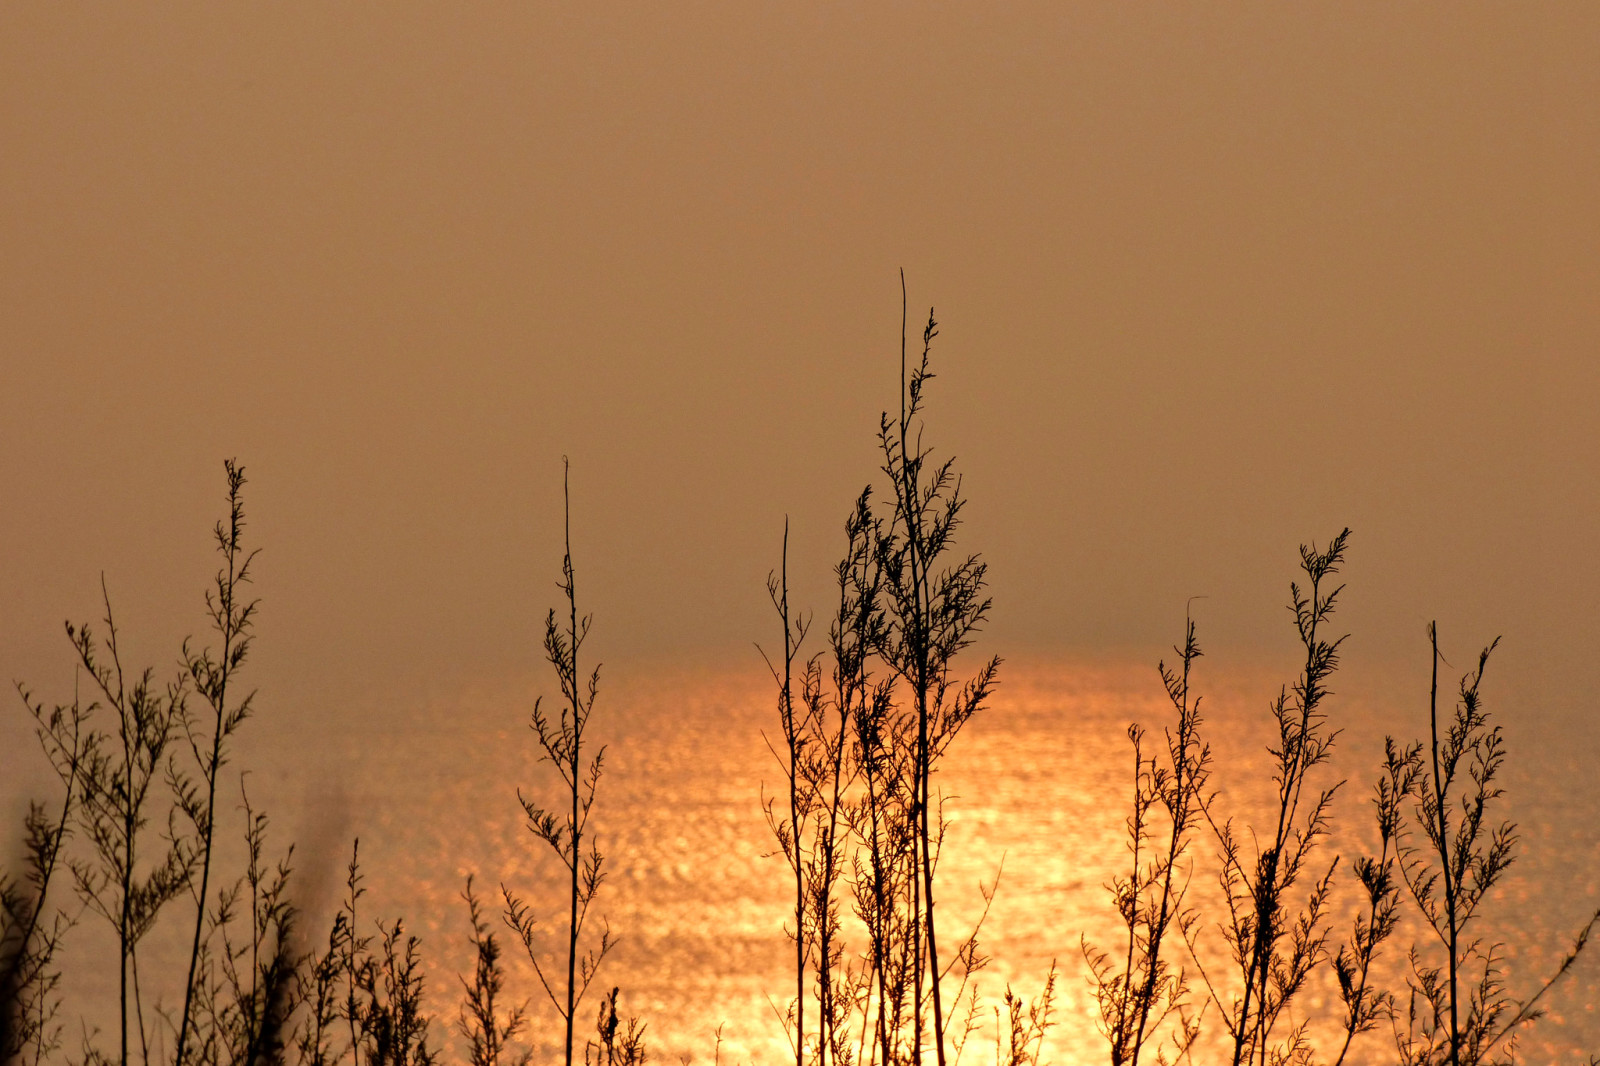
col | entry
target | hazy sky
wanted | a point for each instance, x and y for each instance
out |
(1212, 281)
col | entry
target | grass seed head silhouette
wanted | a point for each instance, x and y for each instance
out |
(1142, 997)
(860, 755)
(565, 830)
(865, 724)
(1443, 792)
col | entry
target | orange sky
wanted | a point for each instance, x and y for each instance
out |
(1212, 281)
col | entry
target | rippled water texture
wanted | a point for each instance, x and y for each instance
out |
(1040, 780)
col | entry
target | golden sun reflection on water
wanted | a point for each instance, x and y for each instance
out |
(1039, 780)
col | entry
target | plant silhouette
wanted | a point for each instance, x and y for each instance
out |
(1444, 791)
(566, 829)
(860, 757)
(143, 766)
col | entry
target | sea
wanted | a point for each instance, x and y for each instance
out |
(1037, 791)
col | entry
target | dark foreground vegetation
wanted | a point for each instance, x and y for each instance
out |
(132, 838)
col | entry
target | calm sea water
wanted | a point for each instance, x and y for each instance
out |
(1039, 782)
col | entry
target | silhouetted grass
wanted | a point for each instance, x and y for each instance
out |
(565, 829)
(1141, 995)
(488, 1028)
(232, 620)
(1275, 916)
(1275, 929)
(1450, 786)
(128, 771)
(362, 997)
(31, 928)
(860, 758)
(865, 725)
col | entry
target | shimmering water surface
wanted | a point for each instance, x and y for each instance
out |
(1040, 780)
